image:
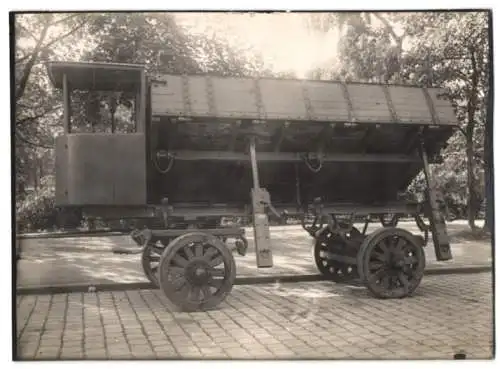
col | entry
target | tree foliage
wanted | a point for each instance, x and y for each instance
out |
(152, 39)
(448, 50)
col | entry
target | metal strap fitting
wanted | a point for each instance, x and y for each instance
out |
(210, 96)
(390, 103)
(186, 95)
(350, 109)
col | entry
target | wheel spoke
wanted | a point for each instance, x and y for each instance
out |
(376, 265)
(179, 260)
(198, 250)
(180, 286)
(195, 293)
(157, 250)
(401, 243)
(176, 270)
(375, 277)
(404, 281)
(378, 255)
(210, 253)
(217, 272)
(389, 242)
(183, 291)
(383, 247)
(410, 260)
(217, 261)
(217, 283)
(188, 251)
(206, 292)
(386, 282)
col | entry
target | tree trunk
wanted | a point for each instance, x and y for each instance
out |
(472, 198)
(488, 182)
(472, 203)
(489, 222)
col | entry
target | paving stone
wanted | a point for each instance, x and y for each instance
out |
(434, 324)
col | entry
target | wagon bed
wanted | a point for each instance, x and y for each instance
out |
(367, 134)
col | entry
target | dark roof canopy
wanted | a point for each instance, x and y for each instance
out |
(96, 76)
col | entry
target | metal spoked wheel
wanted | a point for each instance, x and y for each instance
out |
(150, 261)
(391, 263)
(197, 271)
(333, 269)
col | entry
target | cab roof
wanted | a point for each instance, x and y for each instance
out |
(100, 76)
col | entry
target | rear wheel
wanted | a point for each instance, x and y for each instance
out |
(391, 263)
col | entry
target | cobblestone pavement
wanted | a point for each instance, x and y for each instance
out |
(51, 262)
(297, 320)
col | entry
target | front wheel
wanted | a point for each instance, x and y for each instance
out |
(197, 271)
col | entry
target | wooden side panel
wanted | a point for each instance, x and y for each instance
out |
(61, 170)
(106, 169)
(129, 153)
(283, 99)
(410, 104)
(327, 101)
(90, 177)
(167, 97)
(198, 96)
(235, 97)
(369, 103)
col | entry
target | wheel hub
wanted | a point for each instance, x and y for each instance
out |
(396, 261)
(197, 272)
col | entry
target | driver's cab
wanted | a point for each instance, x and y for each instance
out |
(101, 155)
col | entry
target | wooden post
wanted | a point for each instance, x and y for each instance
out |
(253, 160)
(437, 223)
(260, 199)
(67, 104)
(141, 123)
(137, 107)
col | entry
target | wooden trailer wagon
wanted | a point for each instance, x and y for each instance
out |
(204, 148)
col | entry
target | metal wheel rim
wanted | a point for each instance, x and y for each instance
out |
(186, 256)
(392, 263)
(150, 260)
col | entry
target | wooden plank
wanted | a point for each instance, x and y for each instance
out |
(328, 101)
(296, 100)
(141, 124)
(198, 98)
(283, 99)
(369, 103)
(235, 97)
(67, 104)
(186, 155)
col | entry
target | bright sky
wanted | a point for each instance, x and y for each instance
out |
(283, 39)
